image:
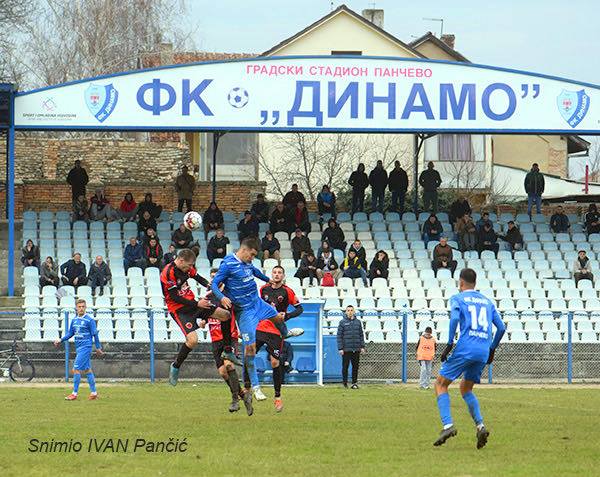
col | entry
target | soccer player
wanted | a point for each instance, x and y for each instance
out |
(475, 348)
(83, 328)
(237, 273)
(186, 310)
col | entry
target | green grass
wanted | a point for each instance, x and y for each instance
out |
(377, 430)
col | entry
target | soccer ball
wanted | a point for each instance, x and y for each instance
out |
(238, 97)
(192, 220)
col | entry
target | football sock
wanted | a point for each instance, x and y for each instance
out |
(277, 380)
(249, 365)
(76, 381)
(234, 382)
(443, 402)
(473, 405)
(246, 378)
(183, 353)
(226, 332)
(92, 382)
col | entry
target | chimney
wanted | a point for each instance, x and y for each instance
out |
(449, 40)
(374, 15)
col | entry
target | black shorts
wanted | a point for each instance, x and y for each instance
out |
(274, 343)
(217, 348)
(187, 319)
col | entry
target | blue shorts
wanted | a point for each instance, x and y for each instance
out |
(83, 359)
(248, 318)
(455, 366)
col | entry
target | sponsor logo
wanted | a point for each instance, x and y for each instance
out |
(573, 106)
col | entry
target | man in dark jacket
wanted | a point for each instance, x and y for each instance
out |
(559, 222)
(99, 275)
(185, 184)
(260, 209)
(534, 187)
(300, 219)
(182, 237)
(149, 205)
(153, 254)
(291, 199)
(217, 246)
(359, 182)
(487, 239)
(430, 180)
(458, 209)
(300, 245)
(280, 219)
(432, 229)
(248, 226)
(171, 255)
(334, 235)
(270, 246)
(398, 184)
(513, 237)
(378, 179)
(350, 343)
(442, 257)
(145, 222)
(485, 219)
(212, 218)
(132, 255)
(78, 180)
(307, 267)
(74, 272)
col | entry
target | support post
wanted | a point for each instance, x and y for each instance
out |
(416, 148)
(570, 348)
(216, 137)
(66, 322)
(10, 188)
(151, 325)
(404, 346)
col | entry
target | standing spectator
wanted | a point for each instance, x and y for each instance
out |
(132, 255)
(425, 355)
(145, 222)
(128, 209)
(212, 219)
(487, 239)
(30, 255)
(334, 235)
(291, 199)
(49, 273)
(432, 229)
(81, 209)
(171, 255)
(485, 219)
(217, 246)
(101, 208)
(442, 257)
(360, 251)
(326, 202)
(149, 205)
(513, 237)
(260, 209)
(185, 184)
(398, 184)
(74, 272)
(430, 181)
(467, 233)
(350, 343)
(379, 266)
(582, 269)
(458, 209)
(353, 268)
(300, 218)
(78, 180)
(559, 222)
(270, 246)
(99, 275)
(359, 182)
(280, 219)
(308, 267)
(378, 179)
(300, 245)
(248, 226)
(534, 187)
(153, 254)
(182, 237)
(327, 264)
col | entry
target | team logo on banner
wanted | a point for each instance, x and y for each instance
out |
(573, 106)
(101, 100)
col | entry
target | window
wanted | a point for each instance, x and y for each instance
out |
(456, 147)
(343, 52)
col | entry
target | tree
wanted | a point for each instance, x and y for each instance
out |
(13, 16)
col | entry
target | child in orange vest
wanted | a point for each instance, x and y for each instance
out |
(425, 355)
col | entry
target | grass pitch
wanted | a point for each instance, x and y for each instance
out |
(330, 431)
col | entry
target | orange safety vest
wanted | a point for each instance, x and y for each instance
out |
(426, 349)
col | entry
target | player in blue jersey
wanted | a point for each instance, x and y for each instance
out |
(83, 328)
(475, 348)
(237, 273)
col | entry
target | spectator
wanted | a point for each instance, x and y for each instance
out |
(270, 246)
(352, 267)
(458, 209)
(182, 237)
(487, 239)
(359, 182)
(212, 219)
(513, 237)
(291, 199)
(171, 255)
(149, 205)
(128, 210)
(485, 219)
(81, 209)
(308, 267)
(78, 180)
(30, 255)
(582, 269)
(592, 220)
(442, 257)
(430, 180)
(425, 355)
(153, 254)
(325, 247)
(559, 222)
(99, 275)
(326, 202)
(150, 234)
(350, 343)
(74, 272)
(145, 222)
(432, 229)
(326, 264)
(398, 184)
(300, 218)
(280, 219)
(248, 226)
(378, 179)
(101, 208)
(300, 245)
(49, 273)
(334, 235)
(379, 266)
(467, 233)
(185, 184)
(132, 255)
(260, 209)
(217, 246)
(534, 186)
(361, 253)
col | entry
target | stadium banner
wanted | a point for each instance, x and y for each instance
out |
(318, 93)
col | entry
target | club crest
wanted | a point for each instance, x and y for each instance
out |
(101, 100)
(573, 106)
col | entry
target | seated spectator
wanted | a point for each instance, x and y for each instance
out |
(280, 219)
(361, 253)
(30, 255)
(442, 257)
(352, 267)
(100, 208)
(248, 226)
(270, 246)
(559, 222)
(99, 275)
(592, 220)
(379, 266)
(300, 218)
(513, 237)
(260, 210)
(485, 219)
(458, 209)
(487, 239)
(145, 222)
(334, 235)
(217, 246)
(467, 233)
(308, 267)
(49, 273)
(171, 255)
(149, 205)
(432, 229)
(81, 209)
(325, 247)
(74, 272)
(300, 245)
(182, 237)
(327, 264)
(150, 234)
(133, 254)
(582, 269)
(291, 199)
(128, 210)
(212, 219)
(153, 254)
(326, 202)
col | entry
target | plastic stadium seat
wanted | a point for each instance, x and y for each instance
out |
(517, 337)
(393, 336)
(535, 337)
(376, 337)
(305, 364)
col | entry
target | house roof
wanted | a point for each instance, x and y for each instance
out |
(157, 58)
(440, 44)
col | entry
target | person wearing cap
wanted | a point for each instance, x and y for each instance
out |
(425, 355)
(248, 226)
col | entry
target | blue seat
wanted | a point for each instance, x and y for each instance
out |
(392, 216)
(344, 217)
(409, 217)
(260, 364)
(359, 217)
(305, 365)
